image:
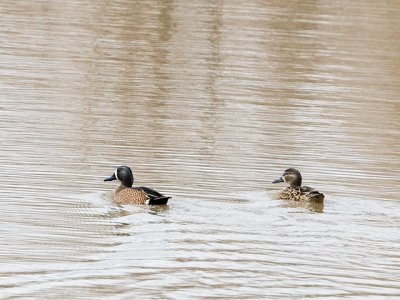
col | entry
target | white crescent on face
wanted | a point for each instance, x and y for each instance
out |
(116, 174)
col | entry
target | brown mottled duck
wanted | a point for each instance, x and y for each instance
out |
(295, 191)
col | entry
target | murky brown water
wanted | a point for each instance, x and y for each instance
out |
(208, 101)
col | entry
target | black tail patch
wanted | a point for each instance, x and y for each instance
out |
(159, 201)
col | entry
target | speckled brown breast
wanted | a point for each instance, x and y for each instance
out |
(129, 196)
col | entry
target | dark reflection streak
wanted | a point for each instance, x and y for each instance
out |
(157, 102)
(292, 67)
(215, 62)
(298, 62)
(164, 27)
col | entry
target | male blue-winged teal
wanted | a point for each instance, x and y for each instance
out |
(295, 191)
(126, 194)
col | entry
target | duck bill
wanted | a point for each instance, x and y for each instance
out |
(280, 179)
(111, 178)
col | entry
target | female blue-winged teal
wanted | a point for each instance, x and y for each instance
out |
(295, 191)
(126, 194)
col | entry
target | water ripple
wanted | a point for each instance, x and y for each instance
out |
(208, 102)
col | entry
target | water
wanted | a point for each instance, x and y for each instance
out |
(208, 102)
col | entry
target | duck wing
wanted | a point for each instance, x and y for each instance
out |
(155, 198)
(312, 194)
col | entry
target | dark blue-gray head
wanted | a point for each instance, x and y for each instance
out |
(290, 176)
(123, 174)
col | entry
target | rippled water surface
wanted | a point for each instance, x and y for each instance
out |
(207, 101)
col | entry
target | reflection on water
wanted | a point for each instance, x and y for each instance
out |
(208, 102)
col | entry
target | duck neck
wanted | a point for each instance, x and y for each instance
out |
(123, 186)
(296, 183)
(127, 182)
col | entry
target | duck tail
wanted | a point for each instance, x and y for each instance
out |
(316, 196)
(163, 200)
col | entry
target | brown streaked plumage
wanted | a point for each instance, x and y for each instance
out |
(126, 194)
(295, 191)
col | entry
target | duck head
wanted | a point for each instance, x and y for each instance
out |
(123, 174)
(290, 176)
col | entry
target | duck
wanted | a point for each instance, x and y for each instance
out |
(295, 191)
(126, 194)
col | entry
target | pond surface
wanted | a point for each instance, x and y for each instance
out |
(208, 102)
